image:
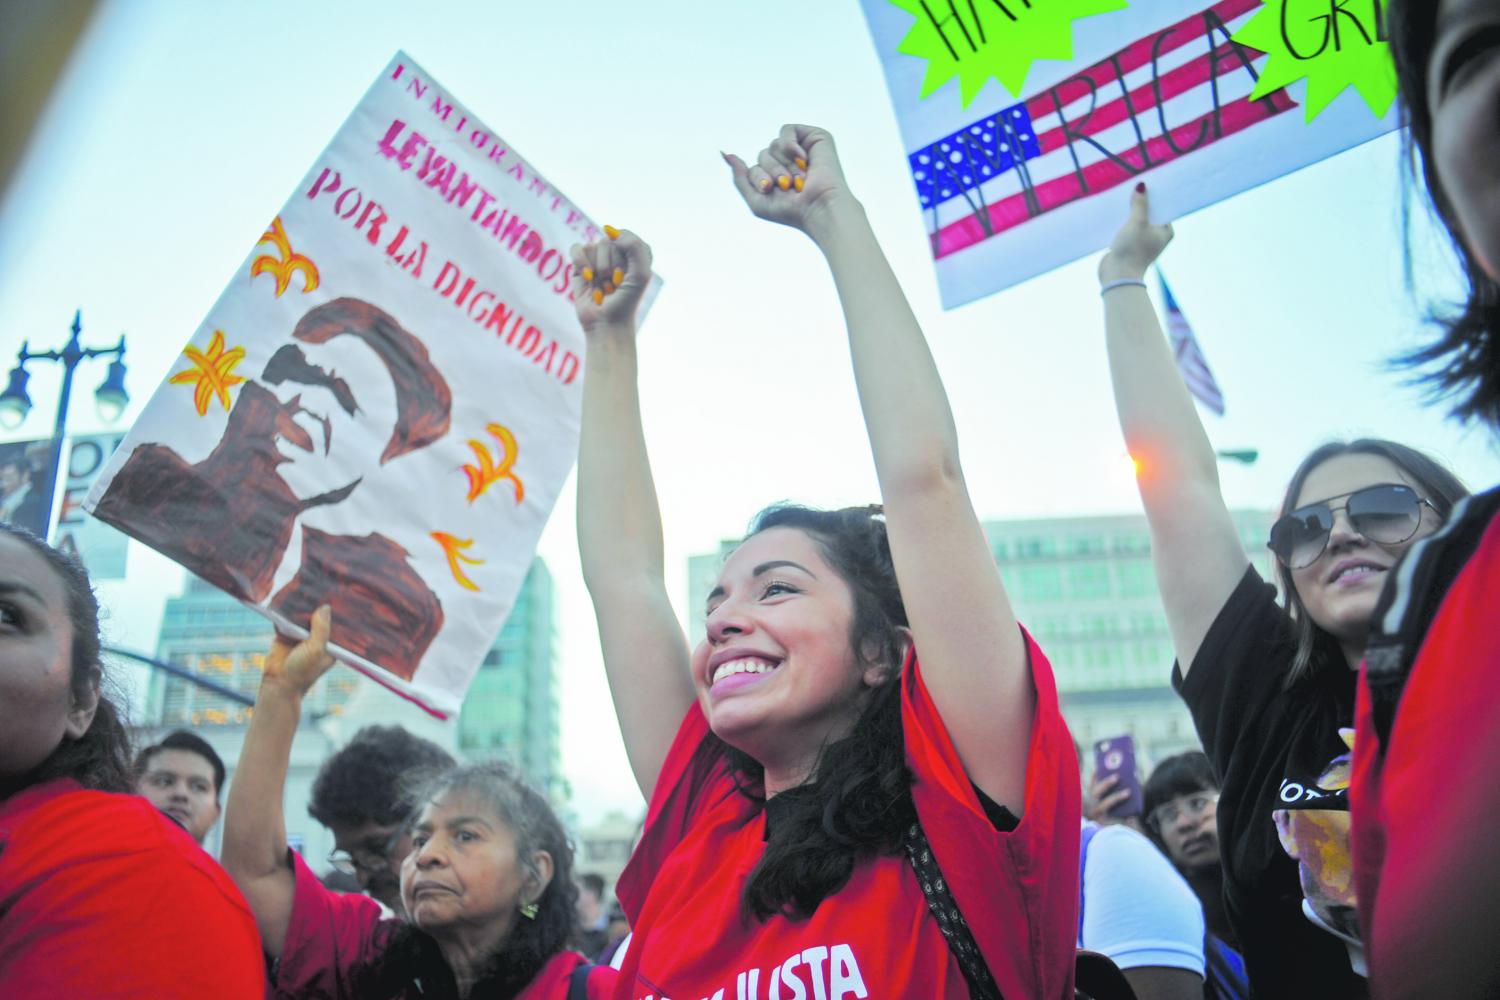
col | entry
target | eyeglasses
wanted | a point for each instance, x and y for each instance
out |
(1169, 813)
(1388, 514)
(371, 857)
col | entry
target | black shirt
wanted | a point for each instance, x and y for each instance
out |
(1266, 740)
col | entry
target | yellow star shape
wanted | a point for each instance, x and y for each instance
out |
(211, 374)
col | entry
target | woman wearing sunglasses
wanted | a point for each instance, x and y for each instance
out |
(1424, 796)
(1269, 686)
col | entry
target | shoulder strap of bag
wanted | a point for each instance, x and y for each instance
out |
(578, 982)
(1411, 599)
(950, 921)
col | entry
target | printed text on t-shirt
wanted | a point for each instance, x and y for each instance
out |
(819, 973)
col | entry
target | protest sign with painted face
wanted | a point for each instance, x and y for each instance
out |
(1025, 125)
(380, 410)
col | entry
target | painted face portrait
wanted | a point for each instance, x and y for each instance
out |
(350, 391)
(338, 404)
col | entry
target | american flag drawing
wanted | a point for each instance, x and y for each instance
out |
(1190, 361)
(1175, 92)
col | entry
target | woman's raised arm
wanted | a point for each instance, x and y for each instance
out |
(255, 848)
(974, 660)
(619, 521)
(1198, 556)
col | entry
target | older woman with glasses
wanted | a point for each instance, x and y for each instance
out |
(1270, 686)
(486, 885)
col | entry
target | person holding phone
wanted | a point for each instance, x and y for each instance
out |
(1115, 789)
(1270, 687)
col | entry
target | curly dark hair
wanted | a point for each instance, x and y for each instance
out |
(100, 758)
(1465, 358)
(1440, 487)
(533, 941)
(371, 778)
(857, 803)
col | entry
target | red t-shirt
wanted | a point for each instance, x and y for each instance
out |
(334, 935)
(103, 896)
(1017, 890)
(1426, 864)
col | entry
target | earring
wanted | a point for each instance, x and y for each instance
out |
(529, 910)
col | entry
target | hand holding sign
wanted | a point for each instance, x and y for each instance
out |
(1138, 243)
(795, 181)
(296, 665)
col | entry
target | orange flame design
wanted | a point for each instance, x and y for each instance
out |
(487, 473)
(211, 373)
(453, 548)
(281, 269)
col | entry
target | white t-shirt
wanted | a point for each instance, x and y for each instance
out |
(1136, 908)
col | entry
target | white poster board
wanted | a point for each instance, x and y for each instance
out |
(381, 408)
(1018, 177)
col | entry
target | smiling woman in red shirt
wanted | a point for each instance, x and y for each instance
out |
(100, 894)
(864, 706)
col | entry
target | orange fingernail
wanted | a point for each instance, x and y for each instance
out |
(619, 276)
(783, 182)
(588, 274)
(609, 288)
(598, 297)
(611, 232)
(798, 182)
(801, 163)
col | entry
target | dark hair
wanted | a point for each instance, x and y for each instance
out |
(1468, 350)
(423, 399)
(533, 941)
(100, 758)
(593, 882)
(858, 803)
(187, 742)
(1179, 775)
(1442, 489)
(370, 779)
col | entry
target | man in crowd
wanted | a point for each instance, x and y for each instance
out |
(362, 795)
(593, 920)
(184, 778)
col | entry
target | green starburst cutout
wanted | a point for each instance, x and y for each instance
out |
(1335, 45)
(978, 39)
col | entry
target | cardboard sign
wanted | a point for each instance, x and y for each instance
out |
(379, 411)
(1027, 122)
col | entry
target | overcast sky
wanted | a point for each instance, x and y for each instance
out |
(180, 128)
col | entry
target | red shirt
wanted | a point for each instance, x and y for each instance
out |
(333, 935)
(103, 896)
(1018, 891)
(1426, 860)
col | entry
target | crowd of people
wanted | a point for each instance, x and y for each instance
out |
(859, 783)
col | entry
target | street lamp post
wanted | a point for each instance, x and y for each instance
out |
(111, 397)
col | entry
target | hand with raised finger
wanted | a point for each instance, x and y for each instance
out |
(609, 279)
(795, 180)
(298, 664)
(1138, 243)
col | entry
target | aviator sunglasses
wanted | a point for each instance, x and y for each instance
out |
(1388, 514)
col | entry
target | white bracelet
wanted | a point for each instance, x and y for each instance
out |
(1110, 286)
